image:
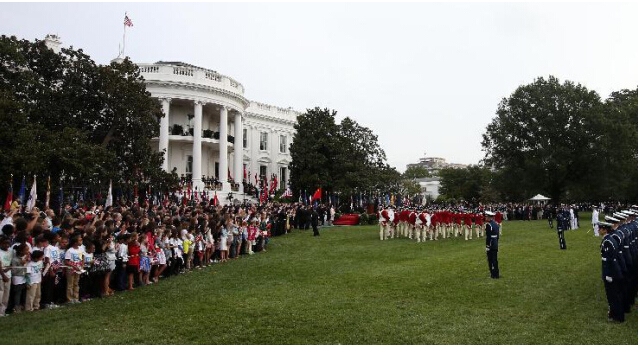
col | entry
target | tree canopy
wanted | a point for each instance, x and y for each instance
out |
(416, 171)
(344, 157)
(544, 138)
(62, 115)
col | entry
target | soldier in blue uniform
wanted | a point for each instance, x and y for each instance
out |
(492, 234)
(611, 272)
(621, 235)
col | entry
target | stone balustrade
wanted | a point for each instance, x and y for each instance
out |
(191, 74)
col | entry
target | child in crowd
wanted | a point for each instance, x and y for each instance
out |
(187, 244)
(160, 254)
(122, 261)
(74, 262)
(133, 264)
(210, 245)
(200, 246)
(244, 237)
(34, 278)
(252, 236)
(51, 256)
(223, 242)
(19, 276)
(6, 257)
(87, 278)
(145, 262)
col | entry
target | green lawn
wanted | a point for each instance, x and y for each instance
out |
(348, 287)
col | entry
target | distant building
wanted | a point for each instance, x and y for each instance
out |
(434, 164)
(429, 187)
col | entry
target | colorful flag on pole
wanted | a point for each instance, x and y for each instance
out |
(33, 196)
(46, 202)
(9, 199)
(109, 197)
(23, 191)
(127, 21)
(317, 195)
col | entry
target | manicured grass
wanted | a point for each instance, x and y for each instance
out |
(348, 287)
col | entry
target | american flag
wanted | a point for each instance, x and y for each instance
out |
(127, 21)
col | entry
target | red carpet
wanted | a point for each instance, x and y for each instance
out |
(347, 219)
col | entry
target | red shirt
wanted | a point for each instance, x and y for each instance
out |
(133, 254)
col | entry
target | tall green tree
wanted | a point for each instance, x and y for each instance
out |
(473, 183)
(63, 115)
(314, 150)
(416, 171)
(544, 138)
(343, 157)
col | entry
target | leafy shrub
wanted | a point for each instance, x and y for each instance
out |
(372, 219)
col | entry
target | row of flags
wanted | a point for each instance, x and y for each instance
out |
(33, 195)
(187, 194)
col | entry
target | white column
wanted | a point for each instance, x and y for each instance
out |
(197, 146)
(223, 147)
(239, 150)
(164, 131)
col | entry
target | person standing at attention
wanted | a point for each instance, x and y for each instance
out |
(491, 244)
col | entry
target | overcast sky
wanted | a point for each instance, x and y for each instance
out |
(427, 78)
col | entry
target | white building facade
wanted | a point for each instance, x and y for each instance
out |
(210, 130)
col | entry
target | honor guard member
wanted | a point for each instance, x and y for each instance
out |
(389, 229)
(428, 225)
(594, 220)
(458, 220)
(479, 225)
(498, 217)
(629, 281)
(561, 226)
(395, 223)
(383, 224)
(630, 234)
(412, 224)
(617, 238)
(468, 225)
(434, 223)
(418, 226)
(611, 273)
(403, 222)
(492, 233)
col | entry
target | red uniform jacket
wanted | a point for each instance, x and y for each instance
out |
(468, 219)
(412, 218)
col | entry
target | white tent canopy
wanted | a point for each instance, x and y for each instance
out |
(539, 197)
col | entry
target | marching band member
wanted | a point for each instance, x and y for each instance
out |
(383, 224)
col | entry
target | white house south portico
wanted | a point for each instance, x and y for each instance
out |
(211, 130)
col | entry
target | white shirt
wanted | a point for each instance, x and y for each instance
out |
(6, 256)
(594, 217)
(34, 272)
(122, 252)
(73, 255)
(52, 252)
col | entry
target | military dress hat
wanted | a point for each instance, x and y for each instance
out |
(605, 224)
(490, 213)
(620, 215)
(611, 219)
